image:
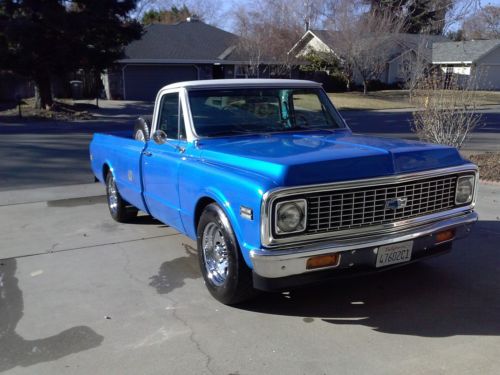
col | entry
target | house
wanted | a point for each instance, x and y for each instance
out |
(475, 58)
(189, 50)
(403, 48)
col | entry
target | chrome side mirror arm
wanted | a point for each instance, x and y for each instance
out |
(160, 138)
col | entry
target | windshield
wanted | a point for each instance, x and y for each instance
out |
(221, 112)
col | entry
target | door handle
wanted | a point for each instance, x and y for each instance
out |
(147, 153)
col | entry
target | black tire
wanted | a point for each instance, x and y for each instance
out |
(237, 284)
(141, 129)
(119, 209)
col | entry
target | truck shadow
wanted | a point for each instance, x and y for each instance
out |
(173, 273)
(17, 351)
(456, 294)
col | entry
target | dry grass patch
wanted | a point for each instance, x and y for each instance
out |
(489, 165)
(396, 99)
(62, 110)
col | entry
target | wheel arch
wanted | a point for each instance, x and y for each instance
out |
(200, 206)
(105, 170)
(231, 216)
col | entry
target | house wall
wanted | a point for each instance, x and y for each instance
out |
(395, 68)
(488, 77)
(395, 71)
(314, 45)
(113, 84)
(488, 71)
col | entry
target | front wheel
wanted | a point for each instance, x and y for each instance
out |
(226, 274)
(119, 209)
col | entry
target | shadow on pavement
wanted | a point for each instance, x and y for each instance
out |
(147, 220)
(14, 349)
(172, 274)
(456, 294)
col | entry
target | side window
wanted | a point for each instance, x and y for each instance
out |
(169, 115)
(309, 110)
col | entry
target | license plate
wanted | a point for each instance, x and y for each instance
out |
(394, 253)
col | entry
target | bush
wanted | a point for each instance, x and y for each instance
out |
(448, 109)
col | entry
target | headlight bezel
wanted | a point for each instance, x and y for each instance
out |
(302, 226)
(470, 199)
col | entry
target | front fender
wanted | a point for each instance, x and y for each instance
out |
(230, 189)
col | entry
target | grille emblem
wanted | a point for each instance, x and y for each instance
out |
(396, 203)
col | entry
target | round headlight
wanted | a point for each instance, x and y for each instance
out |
(465, 189)
(290, 217)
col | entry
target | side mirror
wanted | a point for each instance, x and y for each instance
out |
(160, 137)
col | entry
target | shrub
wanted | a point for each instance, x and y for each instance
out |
(447, 109)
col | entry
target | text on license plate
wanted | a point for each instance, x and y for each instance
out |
(394, 253)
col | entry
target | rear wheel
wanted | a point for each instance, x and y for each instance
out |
(119, 209)
(226, 274)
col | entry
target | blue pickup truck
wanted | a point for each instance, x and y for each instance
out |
(277, 191)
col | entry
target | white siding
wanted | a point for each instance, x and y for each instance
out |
(315, 45)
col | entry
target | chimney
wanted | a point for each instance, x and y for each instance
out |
(192, 18)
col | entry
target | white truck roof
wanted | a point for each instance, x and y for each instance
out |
(244, 82)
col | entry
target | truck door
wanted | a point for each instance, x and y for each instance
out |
(160, 162)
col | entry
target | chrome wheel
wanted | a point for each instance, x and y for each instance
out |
(112, 196)
(215, 254)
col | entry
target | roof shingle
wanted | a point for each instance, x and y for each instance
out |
(195, 41)
(461, 52)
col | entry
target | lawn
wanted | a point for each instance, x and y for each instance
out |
(394, 99)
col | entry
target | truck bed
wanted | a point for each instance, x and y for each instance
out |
(119, 152)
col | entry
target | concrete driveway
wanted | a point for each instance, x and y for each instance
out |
(81, 294)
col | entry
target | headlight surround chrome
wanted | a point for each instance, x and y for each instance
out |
(290, 216)
(464, 192)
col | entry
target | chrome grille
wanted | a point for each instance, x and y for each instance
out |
(366, 206)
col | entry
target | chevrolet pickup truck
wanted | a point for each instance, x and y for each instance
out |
(277, 191)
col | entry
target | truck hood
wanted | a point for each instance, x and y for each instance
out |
(320, 157)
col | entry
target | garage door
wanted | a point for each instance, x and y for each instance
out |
(142, 82)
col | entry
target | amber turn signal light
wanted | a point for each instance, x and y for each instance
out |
(321, 261)
(445, 235)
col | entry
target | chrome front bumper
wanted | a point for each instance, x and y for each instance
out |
(277, 263)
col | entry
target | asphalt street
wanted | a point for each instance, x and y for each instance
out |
(397, 124)
(45, 153)
(81, 294)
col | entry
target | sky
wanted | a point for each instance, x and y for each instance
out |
(226, 21)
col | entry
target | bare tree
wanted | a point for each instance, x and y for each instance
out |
(485, 24)
(365, 42)
(448, 109)
(414, 66)
(207, 10)
(268, 29)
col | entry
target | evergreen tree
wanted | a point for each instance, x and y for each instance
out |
(40, 39)
(168, 16)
